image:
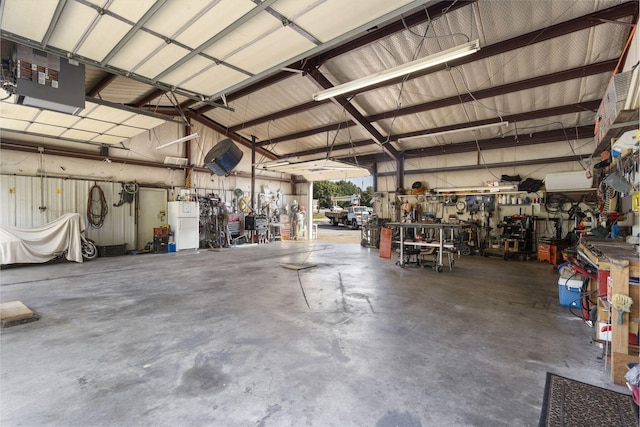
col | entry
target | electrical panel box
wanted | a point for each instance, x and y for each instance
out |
(48, 81)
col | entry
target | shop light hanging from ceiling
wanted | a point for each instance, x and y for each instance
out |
(399, 71)
(446, 132)
(178, 141)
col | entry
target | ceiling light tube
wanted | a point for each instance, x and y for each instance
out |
(275, 163)
(401, 70)
(445, 132)
(178, 141)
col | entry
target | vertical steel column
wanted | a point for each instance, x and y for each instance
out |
(253, 173)
(188, 171)
(374, 176)
(400, 172)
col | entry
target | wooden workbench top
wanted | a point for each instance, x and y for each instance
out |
(614, 250)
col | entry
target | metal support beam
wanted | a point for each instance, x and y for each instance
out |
(53, 22)
(308, 132)
(531, 162)
(356, 116)
(569, 134)
(561, 76)
(558, 77)
(279, 114)
(434, 11)
(32, 147)
(580, 107)
(529, 115)
(139, 78)
(512, 140)
(374, 176)
(132, 31)
(101, 85)
(519, 42)
(155, 93)
(253, 173)
(364, 124)
(260, 7)
(234, 136)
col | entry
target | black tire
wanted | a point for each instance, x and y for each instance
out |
(354, 224)
(89, 249)
(439, 269)
(333, 222)
(465, 250)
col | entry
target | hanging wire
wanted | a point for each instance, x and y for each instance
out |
(466, 87)
(353, 148)
(404, 80)
(335, 137)
(475, 138)
(96, 207)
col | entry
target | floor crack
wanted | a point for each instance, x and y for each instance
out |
(302, 289)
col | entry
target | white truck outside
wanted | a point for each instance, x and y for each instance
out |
(353, 217)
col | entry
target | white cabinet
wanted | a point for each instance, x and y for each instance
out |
(184, 220)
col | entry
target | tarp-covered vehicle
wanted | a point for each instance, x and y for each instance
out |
(62, 237)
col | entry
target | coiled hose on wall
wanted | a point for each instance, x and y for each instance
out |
(96, 207)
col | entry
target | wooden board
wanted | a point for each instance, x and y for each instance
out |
(619, 368)
(386, 235)
(15, 313)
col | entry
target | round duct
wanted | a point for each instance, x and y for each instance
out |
(223, 157)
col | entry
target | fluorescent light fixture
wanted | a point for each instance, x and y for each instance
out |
(445, 132)
(496, 189)
(178, 161)
(178, 141)
(274, 164)
(401, 70)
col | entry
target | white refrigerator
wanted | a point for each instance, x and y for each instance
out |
(184, 220)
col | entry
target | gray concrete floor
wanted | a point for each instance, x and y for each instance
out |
(231, 338)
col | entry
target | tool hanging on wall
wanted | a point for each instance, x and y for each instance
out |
(622, 303)
(96, 207)
(244, 204)
(126, 196)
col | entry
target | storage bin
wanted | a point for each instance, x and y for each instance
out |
(569, 292)
(160, 244)
(172, 247)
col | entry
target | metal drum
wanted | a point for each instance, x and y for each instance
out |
(223, 157)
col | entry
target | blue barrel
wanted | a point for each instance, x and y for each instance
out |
(223, 157)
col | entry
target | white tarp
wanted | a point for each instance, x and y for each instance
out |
(41, 244)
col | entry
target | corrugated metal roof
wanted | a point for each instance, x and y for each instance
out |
(268, 58)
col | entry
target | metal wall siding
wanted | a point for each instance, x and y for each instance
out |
(20, 198)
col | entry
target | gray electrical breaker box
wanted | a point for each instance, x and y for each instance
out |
(48, 81)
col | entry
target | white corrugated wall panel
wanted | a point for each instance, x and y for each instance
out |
(23, 196)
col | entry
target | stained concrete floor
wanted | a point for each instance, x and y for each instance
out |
(231, 338)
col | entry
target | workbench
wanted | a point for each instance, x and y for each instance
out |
(440, 245)
(623, 263)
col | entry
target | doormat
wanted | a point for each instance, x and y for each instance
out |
(569, 403)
